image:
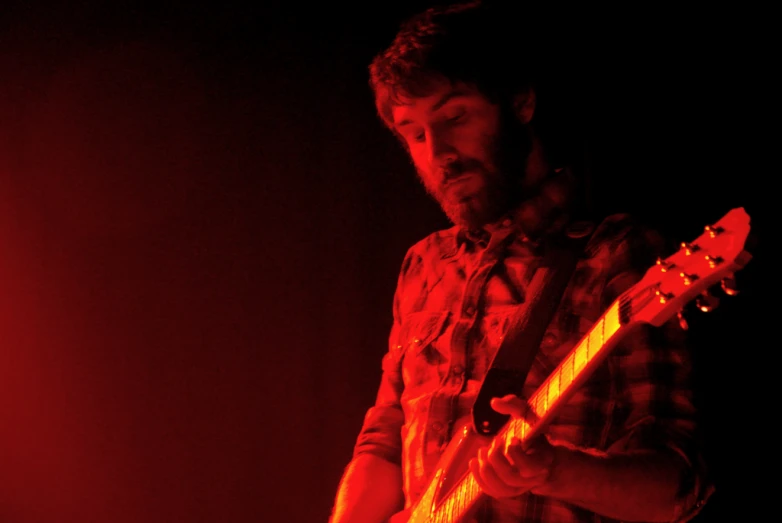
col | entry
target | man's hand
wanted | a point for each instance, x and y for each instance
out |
(510, 470)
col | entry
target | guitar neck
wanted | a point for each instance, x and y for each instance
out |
(571, 372)
(555, 390)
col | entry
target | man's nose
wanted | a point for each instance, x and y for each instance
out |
(441, 152)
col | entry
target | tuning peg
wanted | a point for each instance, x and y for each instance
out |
(713, 260)
(690, 248)
(665, 266)
(714, 230)
(707, 302)
(687, 279)
(682, 321)
(664, 296)
(728, 285)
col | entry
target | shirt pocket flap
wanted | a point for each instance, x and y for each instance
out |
(419, 329)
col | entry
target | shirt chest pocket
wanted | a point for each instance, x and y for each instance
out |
(494, 325)
(425, 351)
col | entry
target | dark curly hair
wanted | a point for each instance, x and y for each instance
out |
(474, 42)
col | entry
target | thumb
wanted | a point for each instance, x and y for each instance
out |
(510, 404)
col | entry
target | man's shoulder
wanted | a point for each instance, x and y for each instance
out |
(439, 244)
(620, 231)
(423, 259)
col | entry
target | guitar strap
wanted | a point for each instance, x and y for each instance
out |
(511, 363)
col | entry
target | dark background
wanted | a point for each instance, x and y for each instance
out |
(202, 221)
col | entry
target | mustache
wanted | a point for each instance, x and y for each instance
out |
(459, 167)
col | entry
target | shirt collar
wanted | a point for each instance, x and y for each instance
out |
(544, 212)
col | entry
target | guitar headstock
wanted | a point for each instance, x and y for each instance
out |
(714, 256)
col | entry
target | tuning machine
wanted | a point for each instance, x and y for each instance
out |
(707, 302)
(728, 285)
(713, 230)
(682, 321)
(690, 248)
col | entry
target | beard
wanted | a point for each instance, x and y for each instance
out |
(502, 187)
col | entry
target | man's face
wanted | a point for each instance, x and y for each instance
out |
(458, 141)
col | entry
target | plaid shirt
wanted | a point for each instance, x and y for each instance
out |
(455, 295)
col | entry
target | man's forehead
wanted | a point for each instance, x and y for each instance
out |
(408, 107)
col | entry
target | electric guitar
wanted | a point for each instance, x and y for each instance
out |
(452, 494)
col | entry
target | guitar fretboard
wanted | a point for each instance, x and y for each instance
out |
(553, 391)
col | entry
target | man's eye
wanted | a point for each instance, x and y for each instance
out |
(419, 137)
(456, 116)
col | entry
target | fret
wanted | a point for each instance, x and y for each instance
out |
(581, 356)
(566, 371)
(595, 338)
(518, 428)
(442, 511)
(514, 428)
(573, 371)
(474, 489)
(558, 370)
(553, 387)
(524, 429)
(460, 498)
(611, 319)
(540, 403)
(449, 507)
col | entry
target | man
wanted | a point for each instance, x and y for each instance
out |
(623, 447)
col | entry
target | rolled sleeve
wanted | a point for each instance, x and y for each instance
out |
(654, 407)
(381, 432)
(655, 404)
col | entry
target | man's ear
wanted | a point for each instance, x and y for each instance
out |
(524, 105)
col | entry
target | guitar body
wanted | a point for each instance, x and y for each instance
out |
(451, 469)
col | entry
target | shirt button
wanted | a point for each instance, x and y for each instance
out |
(469, 310)
(506, 222)
(458, 370)
(437, 426)
(549, 341)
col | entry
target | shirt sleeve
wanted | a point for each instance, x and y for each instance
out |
(654, 406)
(380, 433)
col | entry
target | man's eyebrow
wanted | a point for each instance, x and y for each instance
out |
(444, 99)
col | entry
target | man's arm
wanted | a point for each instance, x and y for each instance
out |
(652, 469)
(638, 486)
(642, 485)
(371, 488)
(370, 491)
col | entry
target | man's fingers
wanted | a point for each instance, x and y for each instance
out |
(510, 404)
(487, 479)
(531, 461)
